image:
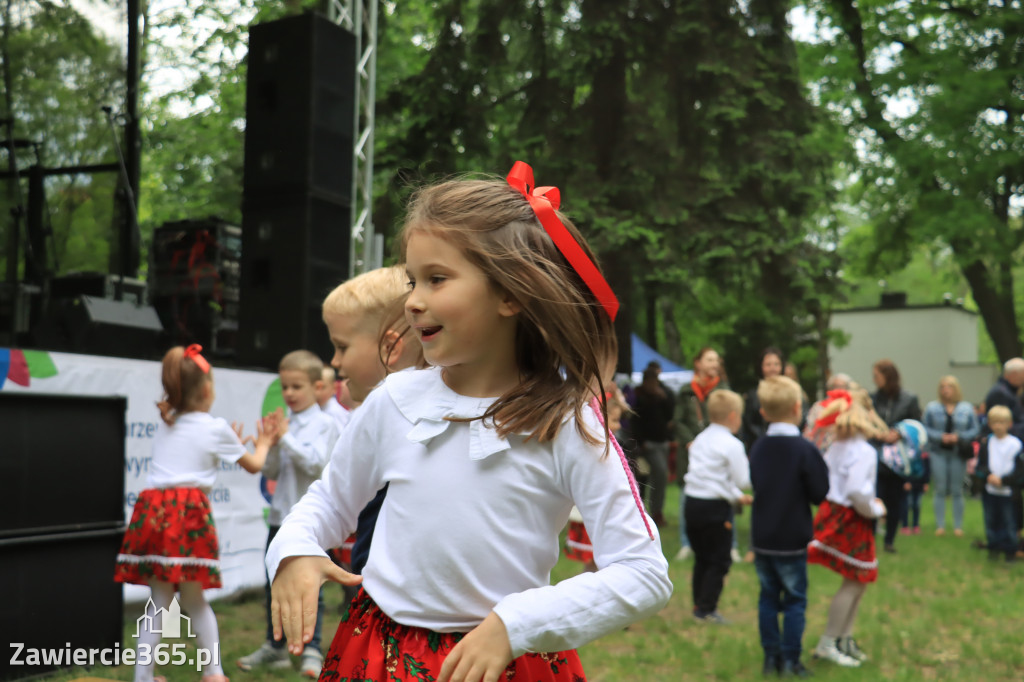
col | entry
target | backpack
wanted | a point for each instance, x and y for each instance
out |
(905, 457)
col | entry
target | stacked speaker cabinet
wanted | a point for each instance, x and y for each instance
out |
(296, 215)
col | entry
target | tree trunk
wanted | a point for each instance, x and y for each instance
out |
(996, 308)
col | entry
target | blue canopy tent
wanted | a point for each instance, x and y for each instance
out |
(672, 374)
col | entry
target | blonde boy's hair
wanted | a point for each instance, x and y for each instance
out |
(778, 396)
(369, 296)
(1000, 413)
(329, 375)
(303, 361)
(722, 403)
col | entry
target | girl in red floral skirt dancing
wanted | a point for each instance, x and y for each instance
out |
(844, 538)
(485, 453)
(171, 542)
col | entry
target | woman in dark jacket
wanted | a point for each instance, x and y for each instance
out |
(651, 426)
(893, 405)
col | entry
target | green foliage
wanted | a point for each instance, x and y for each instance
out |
(932, 92)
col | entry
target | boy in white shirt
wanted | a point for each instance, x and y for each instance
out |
(326, 397)
(717, 475)
(1000, 465)
(302, 447)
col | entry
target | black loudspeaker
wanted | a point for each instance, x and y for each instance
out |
(296, 215)
(296, 252)
(101, 326)
(300, 108)
(61, 526)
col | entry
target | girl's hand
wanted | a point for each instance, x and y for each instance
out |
(237, 428)
(294, 596)
(481, 656)
(264, 433)
(881, 504)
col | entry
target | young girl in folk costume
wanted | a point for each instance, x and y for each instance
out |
(171, 542)
(485, 453)
(843, 536)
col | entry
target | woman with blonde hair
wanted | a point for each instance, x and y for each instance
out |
(952, 427)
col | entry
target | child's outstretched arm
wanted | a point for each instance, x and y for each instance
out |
(483, 654)
(294, 596)
(254, 461)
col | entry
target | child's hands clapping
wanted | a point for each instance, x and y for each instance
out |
(294, 596)
(482, 655)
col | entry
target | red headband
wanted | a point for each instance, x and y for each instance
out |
(545, 201)
(831, 415)
(193, 353)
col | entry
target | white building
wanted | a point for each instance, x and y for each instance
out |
(925, 342)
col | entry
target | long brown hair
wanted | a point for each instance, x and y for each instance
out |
(564, 338)
(891, 375)
(183, 382)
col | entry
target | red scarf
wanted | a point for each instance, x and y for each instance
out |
(702, 390)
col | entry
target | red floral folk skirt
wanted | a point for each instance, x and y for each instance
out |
(371, 646)
(577, 543)
(845, 542)
(171, 538)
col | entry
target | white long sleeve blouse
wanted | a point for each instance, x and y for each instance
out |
(852, 465)
(471, 521)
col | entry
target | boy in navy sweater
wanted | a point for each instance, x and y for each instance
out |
(788, 475)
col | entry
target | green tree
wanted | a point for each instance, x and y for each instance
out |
(934, 94)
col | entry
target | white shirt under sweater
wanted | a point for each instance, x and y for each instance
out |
(718, 469)
(340, 415)
(852, 466)
(1001, 453)
(470, 523)
(299, 458)
(186, 454)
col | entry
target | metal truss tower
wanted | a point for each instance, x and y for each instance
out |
(360, 17)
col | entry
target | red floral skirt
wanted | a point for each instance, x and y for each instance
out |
(171, 538)
(370, 646)
(577, 543)
(845, 542)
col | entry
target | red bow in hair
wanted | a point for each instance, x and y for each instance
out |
(545, 201)
(193, 353)
(836, 403)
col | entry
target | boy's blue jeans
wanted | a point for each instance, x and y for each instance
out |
(1000, 528)
(783, 590)
(279, 644)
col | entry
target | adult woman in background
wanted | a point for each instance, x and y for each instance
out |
(893, 404)
(952, 427)
(651, 427)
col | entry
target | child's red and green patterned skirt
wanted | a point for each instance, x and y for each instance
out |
(371, 646)
(577, 543)
(171, 538)
(845, 542)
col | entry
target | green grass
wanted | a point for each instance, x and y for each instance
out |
(940, 611)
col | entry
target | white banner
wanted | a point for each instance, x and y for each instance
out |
(239, 498)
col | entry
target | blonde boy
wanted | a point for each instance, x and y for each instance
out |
(789, 475)
(1000, 466)
(303, 442)
(325, 397)
(715, 480)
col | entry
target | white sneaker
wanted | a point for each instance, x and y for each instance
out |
(312, 663)
(829, 650)
(735, 556)
(848, 645)
(684, 553)
(267, 656)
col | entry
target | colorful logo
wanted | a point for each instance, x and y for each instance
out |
(21, 366)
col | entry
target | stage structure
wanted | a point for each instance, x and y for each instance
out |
(360, 17)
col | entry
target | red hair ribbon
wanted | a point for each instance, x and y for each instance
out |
(193, 353)
(830, 409)
(545, 201)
